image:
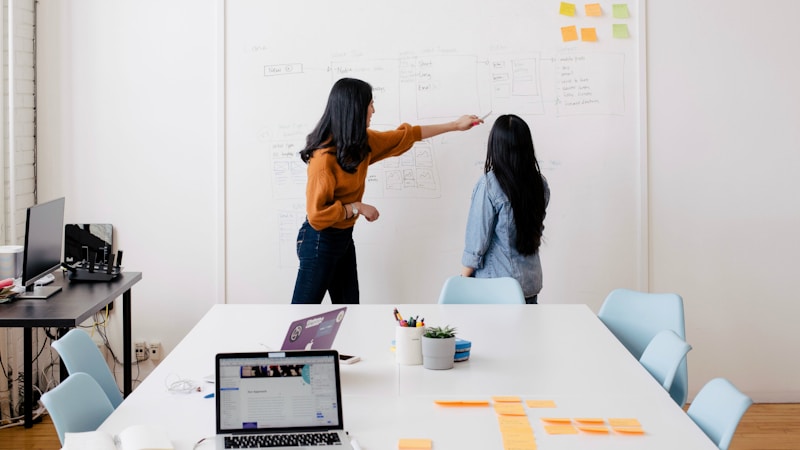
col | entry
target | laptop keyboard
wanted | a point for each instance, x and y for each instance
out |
(282, 440)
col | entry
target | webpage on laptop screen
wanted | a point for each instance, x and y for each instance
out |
(267, 392)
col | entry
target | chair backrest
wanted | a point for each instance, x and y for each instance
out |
(76, 405)
(636, 317)
(79, 353)
(458, 289)
(717, 410)
(663, 355)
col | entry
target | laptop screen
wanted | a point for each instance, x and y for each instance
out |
(278, 391)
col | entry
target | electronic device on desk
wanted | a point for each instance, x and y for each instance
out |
(90, 269)
(42, 254)
(81, 238)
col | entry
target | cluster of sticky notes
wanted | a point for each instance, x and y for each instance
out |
(594, 425)
(515, 428)
(589, 34)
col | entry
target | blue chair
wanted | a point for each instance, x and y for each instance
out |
(76, 405)
(458, 289)
(663, 355)
(636, 317)
(717, 410)
(79, 353)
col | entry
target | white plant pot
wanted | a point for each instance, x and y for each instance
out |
(438, 354)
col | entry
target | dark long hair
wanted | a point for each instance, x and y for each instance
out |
(343, 124)
(511, 156)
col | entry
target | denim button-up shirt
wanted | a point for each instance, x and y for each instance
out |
(490, 237)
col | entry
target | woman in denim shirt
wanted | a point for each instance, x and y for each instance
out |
(506, 217)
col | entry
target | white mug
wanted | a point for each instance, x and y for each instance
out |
(10, 261)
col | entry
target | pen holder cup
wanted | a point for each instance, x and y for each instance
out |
(408, 345)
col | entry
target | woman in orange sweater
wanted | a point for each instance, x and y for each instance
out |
(338, 152)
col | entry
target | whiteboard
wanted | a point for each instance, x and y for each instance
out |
(429, 62)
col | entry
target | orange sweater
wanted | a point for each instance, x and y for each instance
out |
(329, 187)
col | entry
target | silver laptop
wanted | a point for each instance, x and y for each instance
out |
(279, 400)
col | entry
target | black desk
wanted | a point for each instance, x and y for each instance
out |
(76, 302)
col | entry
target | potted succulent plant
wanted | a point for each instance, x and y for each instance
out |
(438, 347)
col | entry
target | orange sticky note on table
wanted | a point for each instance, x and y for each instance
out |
(593, 428)
(588, 35)
(516, 427)
(513, 422)
(519, 441)
(569, 33)
(593, 9)
(417, 444)
(462, 402)
(560, 429)
(507, 399)
(590, 420)
(509, 409)
(629, 430)
(557, 419)
(624, 422)
(540, 403)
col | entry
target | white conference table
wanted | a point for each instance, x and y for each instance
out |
(561, 353)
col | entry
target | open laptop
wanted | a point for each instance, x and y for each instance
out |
(279, 396)
(314, 332)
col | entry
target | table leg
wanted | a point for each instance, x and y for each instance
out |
(126, 343)
(62, 368)
(27, 362)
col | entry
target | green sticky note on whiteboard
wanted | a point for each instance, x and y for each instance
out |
(620, 31)
(621, 11)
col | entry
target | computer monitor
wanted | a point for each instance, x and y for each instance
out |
(43, 236)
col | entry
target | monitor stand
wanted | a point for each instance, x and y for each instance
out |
(39, 292)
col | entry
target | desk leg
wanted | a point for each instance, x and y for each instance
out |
(126, 343)
(27, 363)
(62, 371)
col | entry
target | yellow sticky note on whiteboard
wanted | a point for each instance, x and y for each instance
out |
(567, 9)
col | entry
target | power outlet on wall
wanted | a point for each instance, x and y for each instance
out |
(141, 351)
(154, 350)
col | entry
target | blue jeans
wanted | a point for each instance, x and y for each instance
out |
(327, 263)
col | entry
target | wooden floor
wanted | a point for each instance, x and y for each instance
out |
(763, 427)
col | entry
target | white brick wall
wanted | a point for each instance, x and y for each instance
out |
(24, 183)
